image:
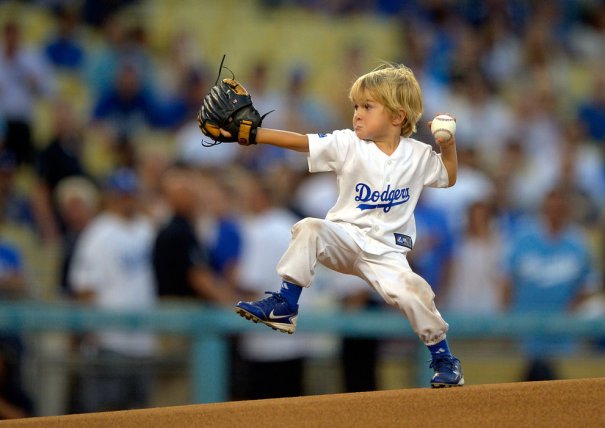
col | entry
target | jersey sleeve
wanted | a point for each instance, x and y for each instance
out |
(327, 151)
(435, 174)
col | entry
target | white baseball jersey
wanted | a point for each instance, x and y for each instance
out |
(377, 193)
(112, 259)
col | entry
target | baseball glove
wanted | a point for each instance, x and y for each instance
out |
(229, 106)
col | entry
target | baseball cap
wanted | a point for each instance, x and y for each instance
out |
(122, 180)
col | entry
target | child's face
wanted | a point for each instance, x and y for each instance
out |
(371, 120)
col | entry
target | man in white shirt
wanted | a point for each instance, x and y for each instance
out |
(111, 269)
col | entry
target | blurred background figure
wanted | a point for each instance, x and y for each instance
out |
(435, 243)
(78, 201)
(64, 49)
(360, 356)
(184, 265)
(62, 157)
(476, 274)
(25, 77)
(272, 365)
(549, 269)
(121, 42)
(111, 269)
(127, 107)
(314, 196)
(218, 223)
(472, 184)
(15, 204)
(181, 263)
(591, 112)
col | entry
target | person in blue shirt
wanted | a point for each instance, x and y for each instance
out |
(592, 113)
(548, 270)
(63, 49)
(433, 249)
(127, 106)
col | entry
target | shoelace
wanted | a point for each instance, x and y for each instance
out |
(439, 364)
(274, 295)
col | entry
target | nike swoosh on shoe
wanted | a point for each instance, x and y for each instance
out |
(272, 316)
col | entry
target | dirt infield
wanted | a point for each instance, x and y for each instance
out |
(557, 403)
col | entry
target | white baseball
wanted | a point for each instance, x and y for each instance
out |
(443, 126)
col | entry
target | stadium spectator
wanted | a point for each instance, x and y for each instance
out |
(218, 225)
(314, 196)
(77, 200)
(111, 269)
(120, 44)
(150, 166)
(24, 78)
(434, 248)
(474, 103)
(181, 263)
(126, 107)
(64, 49)
(476, 274)
(582, 173)
(15, 206)
(473, 184)
(61, 158)
(592, 112)
(273, 364)
(548, 270)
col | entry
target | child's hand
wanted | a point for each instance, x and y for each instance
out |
(446, 142)
(443, 128)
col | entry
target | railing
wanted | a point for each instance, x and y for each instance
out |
(209, 328)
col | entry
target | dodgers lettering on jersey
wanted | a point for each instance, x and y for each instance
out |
(387, 197)
(377, 193)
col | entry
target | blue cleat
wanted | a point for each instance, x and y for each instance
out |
(448, 372)
(273, 311)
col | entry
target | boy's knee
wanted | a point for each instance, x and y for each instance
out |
(415, 285)
(307, 225)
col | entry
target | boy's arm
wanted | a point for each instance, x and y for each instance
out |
(284, 139)
(449, 158)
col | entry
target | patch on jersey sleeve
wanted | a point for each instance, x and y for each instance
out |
(403, 240)
(322, 135)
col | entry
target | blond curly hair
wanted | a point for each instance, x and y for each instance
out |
(396, 88)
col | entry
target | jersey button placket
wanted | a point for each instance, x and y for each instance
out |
(385, 182)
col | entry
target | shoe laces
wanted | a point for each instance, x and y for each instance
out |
(269, 302)
(446, 363)
(275, 295)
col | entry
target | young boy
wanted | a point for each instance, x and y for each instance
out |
(381, 172)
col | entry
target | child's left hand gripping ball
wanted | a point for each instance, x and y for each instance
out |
(443, 127)
(228, 107)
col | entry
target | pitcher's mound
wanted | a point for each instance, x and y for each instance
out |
(530, 404)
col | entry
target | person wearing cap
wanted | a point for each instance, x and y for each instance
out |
(111, 269)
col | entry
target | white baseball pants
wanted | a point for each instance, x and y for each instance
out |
(316, 240)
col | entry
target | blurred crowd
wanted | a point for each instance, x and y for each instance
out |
(91, 213)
